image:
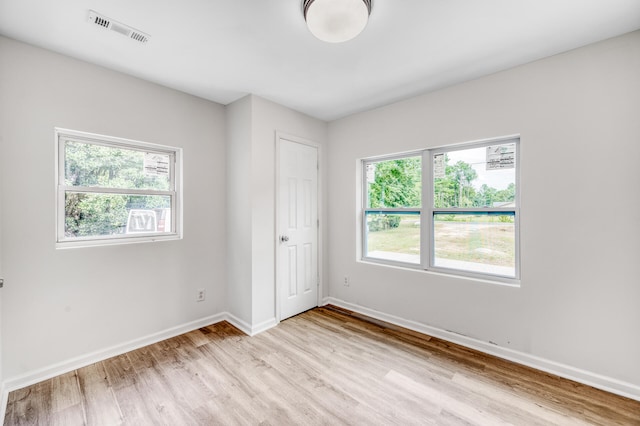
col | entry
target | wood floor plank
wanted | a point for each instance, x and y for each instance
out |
(100, 405)
(31, 406)
(70, 416)
(326, 366)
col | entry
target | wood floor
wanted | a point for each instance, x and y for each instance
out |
(324, 366)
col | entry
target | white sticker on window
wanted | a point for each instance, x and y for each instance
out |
(501, 157)
(371, 173)
(156, 164)
(439, 171)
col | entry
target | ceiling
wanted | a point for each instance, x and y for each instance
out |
(222, 50)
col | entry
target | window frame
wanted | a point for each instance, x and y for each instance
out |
(428, 211)
(174, 192)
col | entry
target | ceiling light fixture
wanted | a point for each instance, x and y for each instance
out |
(336, 21)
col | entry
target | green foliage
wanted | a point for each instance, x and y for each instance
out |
(89, 214)
(455, 189)
(398, 183)
(488, 196)
(88, 165)
(107, 166)
(380, 222)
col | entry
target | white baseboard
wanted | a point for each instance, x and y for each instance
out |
(238, 323)
(4, 394)
(250, 330)
(54, 370)
(263, 326)
(595, 380)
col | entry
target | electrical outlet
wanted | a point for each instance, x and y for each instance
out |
(201, 295)
(347, 281)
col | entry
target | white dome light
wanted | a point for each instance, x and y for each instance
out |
(335, 21)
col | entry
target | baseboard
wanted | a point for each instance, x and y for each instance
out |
(248, 329)
(238, 323)
(4, 394)
(595, 380)
(263, 326)
(54, 370)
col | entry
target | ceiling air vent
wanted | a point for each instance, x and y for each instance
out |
(120, 28)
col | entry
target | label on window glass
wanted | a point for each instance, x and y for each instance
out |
(156, 164)
(501, 157)
(371, 173)
(438, 166)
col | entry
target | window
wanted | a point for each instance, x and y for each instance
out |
(111, 190)
(393, 205)
(468, 221)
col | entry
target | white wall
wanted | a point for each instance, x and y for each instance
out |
(578, 117)
(239, 212)
(253, 123)
(2, 183)
(61, 304)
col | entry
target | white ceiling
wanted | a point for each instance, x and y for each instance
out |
(223, 49)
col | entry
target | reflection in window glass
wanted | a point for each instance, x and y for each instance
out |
(393, 237)
(476, 242)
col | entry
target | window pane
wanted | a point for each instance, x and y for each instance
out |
(476, 242)
(112, 167)
(92, 215)
(394, 237)
(394, 183)
(476, 177)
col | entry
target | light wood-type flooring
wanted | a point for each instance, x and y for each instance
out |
(325, 366)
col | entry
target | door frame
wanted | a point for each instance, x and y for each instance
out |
(279, 136)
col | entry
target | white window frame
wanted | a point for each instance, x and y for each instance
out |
(174, 192)
(427, 211)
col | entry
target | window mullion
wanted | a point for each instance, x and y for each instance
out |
(426, 216)
(474, 210)
(397, 210)
(120, 191)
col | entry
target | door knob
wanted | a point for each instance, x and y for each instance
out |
(284, 238)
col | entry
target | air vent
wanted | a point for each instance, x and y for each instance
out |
(120, 28)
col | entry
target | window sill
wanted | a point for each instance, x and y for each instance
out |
(441, 272)
(70, 244)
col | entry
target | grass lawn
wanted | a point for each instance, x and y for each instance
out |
(486, 242)
(403, 239)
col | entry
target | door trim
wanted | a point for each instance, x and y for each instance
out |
(279, 136)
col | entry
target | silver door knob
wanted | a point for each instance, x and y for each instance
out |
(284, 238)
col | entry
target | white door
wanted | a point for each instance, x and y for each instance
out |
(297, 272)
